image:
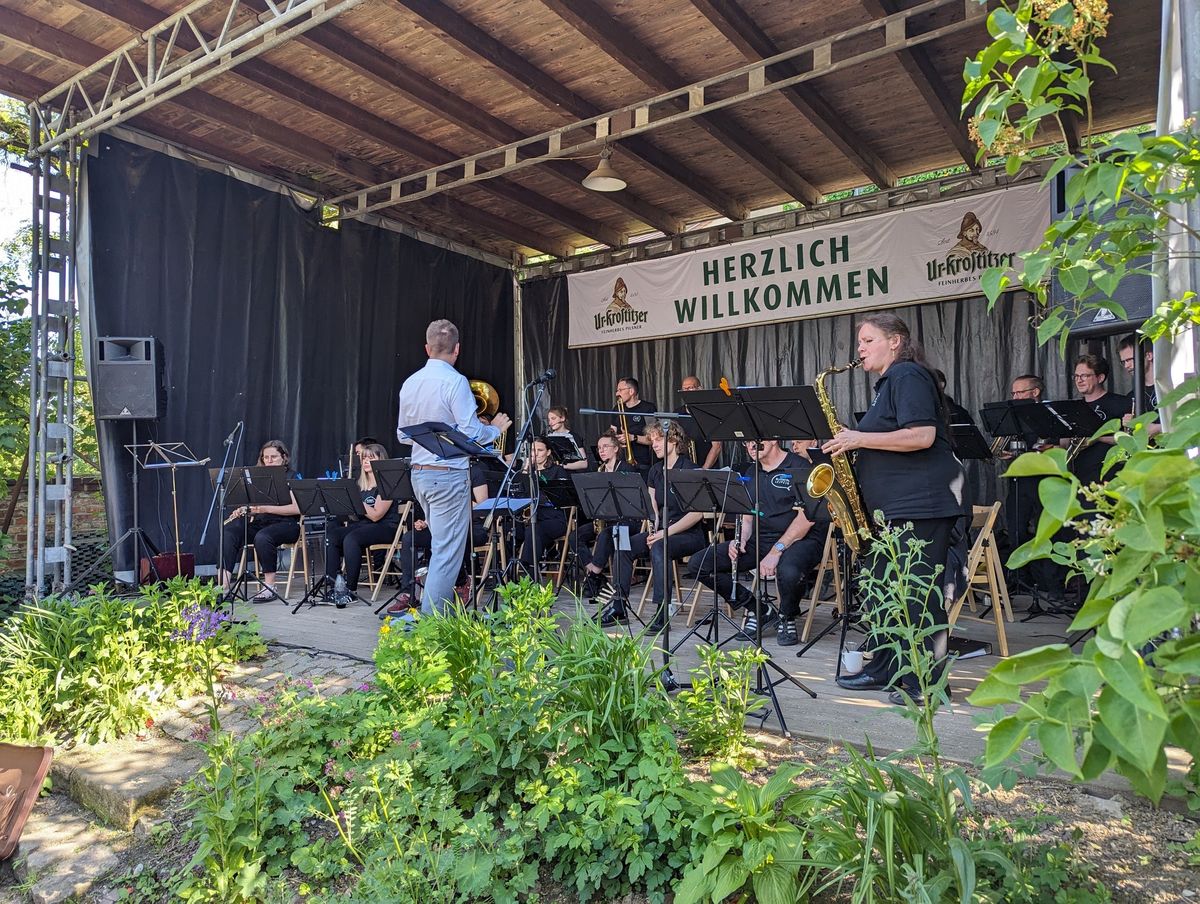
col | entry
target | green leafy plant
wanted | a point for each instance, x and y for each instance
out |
(98, 668)
(712, 714)
(1132, 690)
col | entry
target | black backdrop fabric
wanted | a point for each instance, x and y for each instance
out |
(303, 332)
(980, 353)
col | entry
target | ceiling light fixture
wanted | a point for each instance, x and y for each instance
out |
(604, 177)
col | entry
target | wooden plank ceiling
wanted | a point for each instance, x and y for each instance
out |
(394, 86)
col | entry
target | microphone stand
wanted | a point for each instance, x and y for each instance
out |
(525, 437)
(232, 448)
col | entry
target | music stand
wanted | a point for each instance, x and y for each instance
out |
(328, 499)
(393, 480)
(614, 497)
(969, 442)
(754, 414)
(1078, 418)
(565, 451)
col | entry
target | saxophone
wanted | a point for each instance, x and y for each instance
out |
(836, 481)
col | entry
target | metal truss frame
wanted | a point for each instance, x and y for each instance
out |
(52, 375)
(152, 68)
(901, 30)
(864, 205)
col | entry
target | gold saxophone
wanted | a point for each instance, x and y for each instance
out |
(836, 481)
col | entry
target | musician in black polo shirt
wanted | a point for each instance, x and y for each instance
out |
(1128, 351)
(636, 409)
(1091, 382)
(906, 469)
(782, 544)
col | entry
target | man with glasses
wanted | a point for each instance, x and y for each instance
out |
(636, 409)
(1091, 383)
(1127, 351)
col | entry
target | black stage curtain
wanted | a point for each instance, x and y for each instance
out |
(979, 352)
(303, 332)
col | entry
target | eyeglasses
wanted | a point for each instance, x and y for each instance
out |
(1079, 377)
(1020, 392)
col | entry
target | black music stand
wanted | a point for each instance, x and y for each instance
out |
(1077, 417)
(499, 509)
(752, 414)
(614, 497)
(969, 443)
(259, 485)
(565, 451)
(328, 499)
(393, 480)
(717, 494)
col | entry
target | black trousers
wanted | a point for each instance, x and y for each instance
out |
(662, 577)
(344, 544)
(796, 564)
(551, 526)
(411, 543)
(929, 610)
(266, 538)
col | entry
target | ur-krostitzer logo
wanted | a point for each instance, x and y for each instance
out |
(618, 313)
(967, 258)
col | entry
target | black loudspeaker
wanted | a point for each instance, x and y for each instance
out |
(129, 383)
(1133, 294)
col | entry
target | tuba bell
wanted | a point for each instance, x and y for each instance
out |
(835, 482)
(487, 403)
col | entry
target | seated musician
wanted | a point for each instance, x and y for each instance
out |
(345, 544)
(786, 544)
(592, 543)
(675, 534)
(270, 527)
(551, 522)
(556, 417)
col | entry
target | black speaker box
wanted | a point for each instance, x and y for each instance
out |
(129, 381)
(1133, 294)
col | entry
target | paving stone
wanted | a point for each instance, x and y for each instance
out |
(1109, 806)
(57, 829)
(75, 878)
(118, 780)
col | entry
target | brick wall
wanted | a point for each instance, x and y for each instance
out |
(88, 518)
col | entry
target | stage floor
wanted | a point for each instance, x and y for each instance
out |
(835, 715)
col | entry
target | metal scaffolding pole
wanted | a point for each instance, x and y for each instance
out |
(52, 366)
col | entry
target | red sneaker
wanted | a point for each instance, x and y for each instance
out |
(403, 604)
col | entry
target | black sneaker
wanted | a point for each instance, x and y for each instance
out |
(591, 585)
(342, 598)
(785, 633)
(769, 614)
(657, 623)
(614, 614)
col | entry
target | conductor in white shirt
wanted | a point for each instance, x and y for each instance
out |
(438, 392)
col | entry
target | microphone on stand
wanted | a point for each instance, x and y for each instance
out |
(549, 375)
(232, 434)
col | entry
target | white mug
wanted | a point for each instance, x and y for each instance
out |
(852, 661)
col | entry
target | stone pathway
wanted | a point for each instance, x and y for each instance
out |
(103, 794)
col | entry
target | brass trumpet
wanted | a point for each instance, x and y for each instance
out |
(625, 430)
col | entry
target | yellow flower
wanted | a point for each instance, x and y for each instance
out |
(385, 628)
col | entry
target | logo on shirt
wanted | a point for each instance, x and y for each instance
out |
(968, 257)
(782, 481)
(618, 314)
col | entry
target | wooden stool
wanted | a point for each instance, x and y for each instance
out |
(985, 574)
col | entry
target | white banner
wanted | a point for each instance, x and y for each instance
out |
(896, 258)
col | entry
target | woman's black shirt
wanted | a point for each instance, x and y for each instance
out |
(926, 483)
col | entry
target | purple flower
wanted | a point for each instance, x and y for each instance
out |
(200, 624)
(396, 736)
(330, 767)
(365, 686)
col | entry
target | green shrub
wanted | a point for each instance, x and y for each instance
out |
(712, 714)
(98, 668)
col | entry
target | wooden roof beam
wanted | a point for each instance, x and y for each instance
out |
(367, 61)
(283, 138)
(602, 30)
(138, 16)
(747, 36)
(946, 108)
(27, 87)
(472, 41)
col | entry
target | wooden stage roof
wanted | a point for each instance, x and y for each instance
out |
(392, 87)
